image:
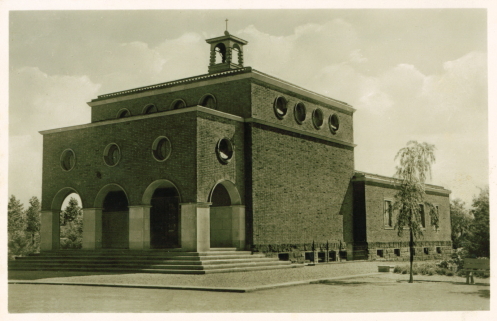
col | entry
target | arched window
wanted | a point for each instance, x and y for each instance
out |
(123, 113)
(208, 101)
(149, 109)
(178, 104)
(220, 50)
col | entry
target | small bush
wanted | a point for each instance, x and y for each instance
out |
(426, 268)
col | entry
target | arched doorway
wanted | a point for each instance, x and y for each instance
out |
(115, 217)
(227, 216)
(51, 219)
(71, 223)
(164, 198)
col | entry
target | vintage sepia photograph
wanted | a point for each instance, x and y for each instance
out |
(248, 160)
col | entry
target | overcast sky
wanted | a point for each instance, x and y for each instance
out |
(411, 74)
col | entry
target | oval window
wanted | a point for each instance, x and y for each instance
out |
(334, 123)
(112, 155)
(67, 160)
(300, 113)
(280, 108)
(161, 148)
(317, 118)
(224, 150)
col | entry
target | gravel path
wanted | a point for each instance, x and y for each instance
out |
(228, 280)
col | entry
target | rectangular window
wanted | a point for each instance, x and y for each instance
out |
(284, 256)
(433, 224)
(388, 214)
(422, 215)
(396, 252)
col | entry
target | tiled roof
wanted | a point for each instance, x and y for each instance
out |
(175, 82)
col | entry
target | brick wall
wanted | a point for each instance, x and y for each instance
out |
(376, 232)
(262, 108)
(232, 97)
(299, 187)
(137, 167)
(210, 129)
(386, 240)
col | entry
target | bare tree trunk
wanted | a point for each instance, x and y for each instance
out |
(411, 255)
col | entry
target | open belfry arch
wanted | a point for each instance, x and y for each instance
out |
(229, 161)
(226, 53)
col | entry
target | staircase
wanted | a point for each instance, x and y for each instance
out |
(218, 260)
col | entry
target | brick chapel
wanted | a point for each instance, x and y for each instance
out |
(234, 158)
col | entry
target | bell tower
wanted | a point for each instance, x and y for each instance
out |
(226, 53)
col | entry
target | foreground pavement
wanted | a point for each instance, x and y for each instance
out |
(342, 287)
(238, 282)
(384, 292)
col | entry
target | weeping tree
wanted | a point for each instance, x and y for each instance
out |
(414, 164)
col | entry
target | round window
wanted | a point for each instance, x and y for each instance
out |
(334, 123)
(112, 155)
(280, 108)
(317, 118)
(161, 148)
(67, 160)
(299, 113)
(224, 150)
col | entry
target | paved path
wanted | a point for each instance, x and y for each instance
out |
(380, 293)
(239, 280)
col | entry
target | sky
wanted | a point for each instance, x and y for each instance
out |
(411, 74)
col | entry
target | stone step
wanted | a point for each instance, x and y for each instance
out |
(127, 253)
(152, 266)
(138, 258)
(147, 261)
(224, 260)
(123, 270)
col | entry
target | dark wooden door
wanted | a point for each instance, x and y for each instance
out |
(164, 222)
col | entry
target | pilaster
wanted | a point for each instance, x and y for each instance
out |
(49, 230)
(92, 228)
